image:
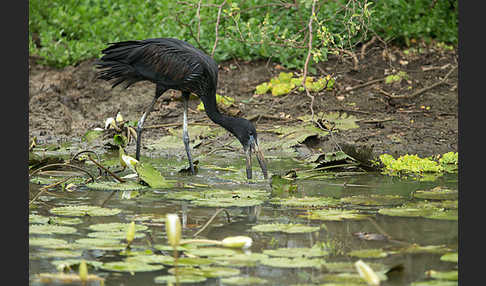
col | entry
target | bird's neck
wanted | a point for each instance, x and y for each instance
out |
(213, 113)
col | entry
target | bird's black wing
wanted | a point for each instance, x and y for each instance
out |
(169, 62)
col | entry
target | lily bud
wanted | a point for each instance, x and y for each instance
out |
(130, 162)
(131, 232)
(173, 229)
(237, 242)
(367, 273)
(119, 117)
(83, 271)
(109, 122)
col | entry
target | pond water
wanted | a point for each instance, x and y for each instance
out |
(411, 245)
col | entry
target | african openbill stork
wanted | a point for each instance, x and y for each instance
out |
(175, 64)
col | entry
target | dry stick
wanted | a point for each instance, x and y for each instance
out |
(43, 189)
(366, 45)
(105, 169)
(198, 16)
(228, 217)
(364, 84)
(63, 165)
(306, 65)
(220, 7)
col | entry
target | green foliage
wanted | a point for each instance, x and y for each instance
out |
(286, 82)
(403, 20)
(65, 32)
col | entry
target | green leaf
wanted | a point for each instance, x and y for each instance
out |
(152, 176)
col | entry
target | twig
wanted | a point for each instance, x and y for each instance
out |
(363, 84)
(62, 165)
(43, 189)
(220, 7)
(228, 217)
(105, 169)
(198, 16)
(306, 65)
(366, 45)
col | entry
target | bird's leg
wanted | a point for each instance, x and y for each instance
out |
(185, 134)
(158, 92)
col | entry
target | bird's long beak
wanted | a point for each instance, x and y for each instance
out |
(253, 147)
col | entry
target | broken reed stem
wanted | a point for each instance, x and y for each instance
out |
(306, 65)
(211, 219)
(105, 169)
(220, 7)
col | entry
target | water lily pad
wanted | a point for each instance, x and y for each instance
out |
(286, 228)
(48, 242)
(115, 186)
(437, 193)
(99, 243)
(350, 267)
(212, 251)
(191, 261)
(305, 202)
(296, 252)
(335, 215)
(420, 209)
(434, 283)
(66, 278)
(240, 260)
(165, 279)
(61, 253)
(415, 248)
(151, 259)
(283, 262)
(184, 195)
(50, 229)
(227, 202)
(450, 257)
(114, 235)
(130, 266)
(374, 200)
(116, 226)
(247, 280)
(206, 271)
(78, 210)
(152, 176)
(443, 275)
(368, 253)
(346, 278)
(65, 220)
(34, 218)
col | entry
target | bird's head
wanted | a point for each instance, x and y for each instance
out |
(247, 135)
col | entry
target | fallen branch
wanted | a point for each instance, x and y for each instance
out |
(105, 169)
(364, 84)
(228, 217)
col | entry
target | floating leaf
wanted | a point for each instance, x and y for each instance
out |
(50, 229)
(79, 210)
(420, 209)
(240, 260)
(113, 235)
(99, 243)
(283, 262)
(130, 266)
(152, 176)
(65, 220)
(434, 283)
(116, 226)
(243, 281)
(305, 202)
(152, 259)
(368, 253)
(415, 248)
(115, 186)
(61, 254)
(64, 278)
(34, 218)
(443, 275)
(335, 215)
(286, 228)
(206, 271)
(211, 251)
(437, 193)
(450, 257)
(374, 200)
(191, 261)
(296, 252)
(47, 242)
(165, 279)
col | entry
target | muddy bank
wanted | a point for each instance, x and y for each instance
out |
(418, 115)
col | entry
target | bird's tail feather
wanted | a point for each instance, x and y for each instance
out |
(114, 65)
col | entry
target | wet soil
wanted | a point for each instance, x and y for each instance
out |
(419, 115)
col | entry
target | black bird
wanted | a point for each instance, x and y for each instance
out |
(175, 64)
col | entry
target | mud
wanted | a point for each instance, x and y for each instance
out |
(65, 103)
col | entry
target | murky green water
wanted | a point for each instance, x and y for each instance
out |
(339, 237)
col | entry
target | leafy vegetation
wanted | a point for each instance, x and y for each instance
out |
(66, 32)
